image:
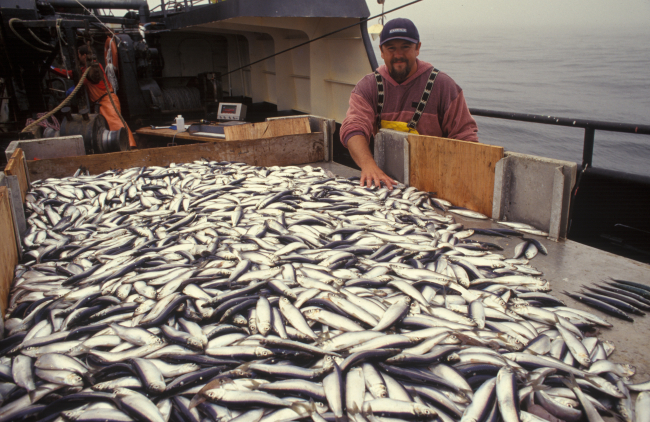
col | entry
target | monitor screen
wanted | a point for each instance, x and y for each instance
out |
(228, 109)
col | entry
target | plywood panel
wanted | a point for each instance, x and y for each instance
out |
(279, 127)
(8, 252)
(279, 151)
(174, 136)
(459, 171)
(16, 167)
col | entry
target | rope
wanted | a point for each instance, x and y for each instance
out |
(110, 68)
(54, 125)
(99, 20)
(63, 103)
(11, 25)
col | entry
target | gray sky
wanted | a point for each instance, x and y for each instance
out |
(511, 13)
(525, 13)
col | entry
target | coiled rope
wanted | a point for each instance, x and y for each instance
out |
(63, 103)
(52, 125)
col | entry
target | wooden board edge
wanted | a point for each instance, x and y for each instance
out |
(455, 140)
(261, 152)
(8, 250)
(16, 167)
(250, 131)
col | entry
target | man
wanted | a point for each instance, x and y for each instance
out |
(94, 83)
(410, 95)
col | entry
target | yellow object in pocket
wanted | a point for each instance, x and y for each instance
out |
(399, 126)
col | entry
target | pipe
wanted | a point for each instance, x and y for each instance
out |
(368, 45)
(141, 5)
(564, 121)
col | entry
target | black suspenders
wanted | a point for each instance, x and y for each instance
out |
(380, 98)
(421, 105)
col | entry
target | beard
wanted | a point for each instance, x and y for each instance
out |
(399, 76)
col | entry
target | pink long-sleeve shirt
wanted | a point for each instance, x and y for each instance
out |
(446, 114)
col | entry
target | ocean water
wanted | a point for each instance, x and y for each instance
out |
(564, 72)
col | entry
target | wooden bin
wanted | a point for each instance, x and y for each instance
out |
(274, 151)
(277, 151)
(10, 245)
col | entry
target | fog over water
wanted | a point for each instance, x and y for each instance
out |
(546, 58)
(587, 59)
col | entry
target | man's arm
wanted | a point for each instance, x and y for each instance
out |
(370, 172)
(356, 130)
(458, 122)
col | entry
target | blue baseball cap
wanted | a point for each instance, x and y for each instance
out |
(399, 29)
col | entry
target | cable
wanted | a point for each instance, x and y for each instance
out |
(60, 106)
(61, 41)
(322, 36)
(119, 41)
(11, 25)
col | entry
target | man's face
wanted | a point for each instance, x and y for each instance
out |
(82, 58)
(399, 57)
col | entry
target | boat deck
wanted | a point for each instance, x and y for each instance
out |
(568, 266)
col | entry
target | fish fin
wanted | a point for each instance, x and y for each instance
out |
(557, 319)
(211, 385)
(256, 384)
(301, 408)
(89, 378)
(540, 386)
(322, 337)
(570, 382)
(589, 378)
(196, 400)
(354, 410)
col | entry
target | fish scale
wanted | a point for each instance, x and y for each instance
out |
(324, 267)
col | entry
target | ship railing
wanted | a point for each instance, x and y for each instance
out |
(179, 6)
(590, 127)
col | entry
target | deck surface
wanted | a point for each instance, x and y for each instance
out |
(568, 266)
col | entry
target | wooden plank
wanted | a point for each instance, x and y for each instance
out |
(268, 129)
(8, 251)
(459, 171)
(171, 134)
(279, 151)
(16, 167)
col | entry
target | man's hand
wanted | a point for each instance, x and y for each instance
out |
(370, 172)
(373, 175)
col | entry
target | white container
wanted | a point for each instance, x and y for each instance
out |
(180, 124)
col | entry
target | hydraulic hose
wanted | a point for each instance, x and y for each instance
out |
(11, 25)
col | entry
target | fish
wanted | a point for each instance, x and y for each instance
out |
(214, 290)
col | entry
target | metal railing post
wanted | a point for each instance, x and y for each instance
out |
(588, 149)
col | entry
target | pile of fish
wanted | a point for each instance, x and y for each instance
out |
(618, 298)
(218, 291)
